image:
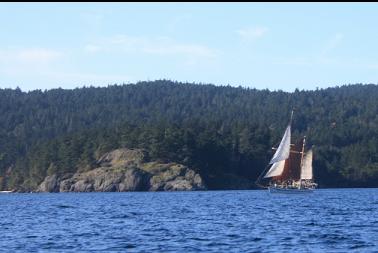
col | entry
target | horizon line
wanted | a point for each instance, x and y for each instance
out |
(189, 83)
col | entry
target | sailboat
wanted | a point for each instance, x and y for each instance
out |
(290, 169)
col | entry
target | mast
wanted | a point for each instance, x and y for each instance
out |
(303, 146)
(291, 117)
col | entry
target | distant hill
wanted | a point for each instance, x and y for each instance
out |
(224, 133)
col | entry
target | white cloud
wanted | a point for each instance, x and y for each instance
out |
(252, 33)
(372, 66)
(38, 55)
(166, 46)
(88, 78)
(332, 43)
(32, 56)
(179, 22)
(28, 61)
(295, 61)
(92, 48)
(322, 56)
(47, 68)
(163, 46)
(93, 19)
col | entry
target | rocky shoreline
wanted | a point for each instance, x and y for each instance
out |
(125, 170)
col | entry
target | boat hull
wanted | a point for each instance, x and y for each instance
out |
(290, 190)
(6, 191)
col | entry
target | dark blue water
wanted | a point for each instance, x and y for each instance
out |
(343, 220)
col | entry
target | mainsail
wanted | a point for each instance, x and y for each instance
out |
(292, 169)
(306, 170)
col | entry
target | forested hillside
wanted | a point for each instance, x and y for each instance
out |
(224, 133)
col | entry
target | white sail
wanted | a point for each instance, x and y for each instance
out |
(276, 169)
(283, 150)
(306, 170)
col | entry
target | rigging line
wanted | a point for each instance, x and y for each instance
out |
(257, 182)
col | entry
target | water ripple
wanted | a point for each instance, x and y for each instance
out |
(342, 220)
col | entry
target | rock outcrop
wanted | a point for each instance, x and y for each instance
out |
(126, 170)
(50, 184)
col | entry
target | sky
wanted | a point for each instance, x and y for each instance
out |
(275, 46)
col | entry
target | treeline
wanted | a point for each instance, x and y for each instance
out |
(223, 132)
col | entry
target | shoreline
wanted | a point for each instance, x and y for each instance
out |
(213, 190)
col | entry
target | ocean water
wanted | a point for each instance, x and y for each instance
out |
(329, 220)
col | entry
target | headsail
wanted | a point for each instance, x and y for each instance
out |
(282, 153)
(283, 150)
(276, 169)
(306, 170)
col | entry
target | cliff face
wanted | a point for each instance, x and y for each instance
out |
(126, 170)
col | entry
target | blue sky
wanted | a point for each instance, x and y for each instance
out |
(258, 45)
